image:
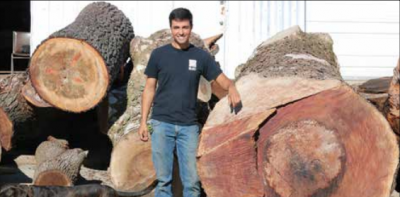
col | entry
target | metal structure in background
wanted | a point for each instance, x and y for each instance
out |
(20, 47)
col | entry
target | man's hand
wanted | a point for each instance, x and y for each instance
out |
(143, 132)
(147, 100)
(233, 96)
(234, 100)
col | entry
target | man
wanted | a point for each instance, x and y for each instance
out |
(176, 68)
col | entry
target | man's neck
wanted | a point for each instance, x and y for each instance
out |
(180, 46)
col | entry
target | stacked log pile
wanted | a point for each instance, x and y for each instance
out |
(301, 131)
(71, 71)
(15, 111)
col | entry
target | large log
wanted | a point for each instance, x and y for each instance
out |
(6, 130)
(309, 56)
(393, 103)
(20, 120)
(131, 167)
(73, 68)
(328, 149)
(375, 91)
(50, 149)
(301, 130)
(16, 114)
(383, 93)
(140, 50)
(24, 126)
(376, 86)
(62, 170)
(0, 147)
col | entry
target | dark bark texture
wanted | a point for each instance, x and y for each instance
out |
(68, 163)
(18, 110)
(301, 130)
(297, 54)
(105, 28)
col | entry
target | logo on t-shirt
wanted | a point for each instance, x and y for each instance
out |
(192, 65)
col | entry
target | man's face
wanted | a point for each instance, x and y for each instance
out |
(181, 30)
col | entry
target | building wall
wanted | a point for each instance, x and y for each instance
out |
(244, 24)
(249, 23)
(146, 17)
(366, 34)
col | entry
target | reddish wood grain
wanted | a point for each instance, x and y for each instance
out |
(360, 146)
(6, 130)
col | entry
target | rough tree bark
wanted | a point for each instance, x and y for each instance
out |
(50, 149)
(25, 126)
(62, 170)
(309, 56)
(73, 68)
(301, 130)
(392, 108)
(16, 114)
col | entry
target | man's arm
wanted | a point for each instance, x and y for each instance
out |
(147, 100)
(227, 84)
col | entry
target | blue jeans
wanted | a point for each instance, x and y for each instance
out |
(164, 139)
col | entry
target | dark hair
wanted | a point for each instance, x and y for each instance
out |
(181, 14)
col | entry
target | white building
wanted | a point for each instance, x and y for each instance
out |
(366, 34)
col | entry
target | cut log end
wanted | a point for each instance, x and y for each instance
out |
(32, 97)
(326, 151)
(52, 178)
(69, 74)
(204, 92)
(303, 159)
(6, 130)
(131, 167)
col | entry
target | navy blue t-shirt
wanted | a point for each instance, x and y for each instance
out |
(178, 75)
